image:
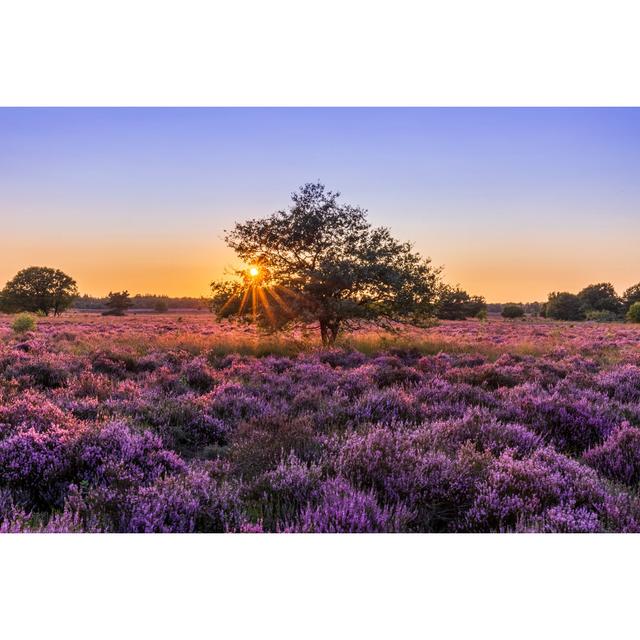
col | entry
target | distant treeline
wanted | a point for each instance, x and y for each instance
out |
(530, 308)
(596, 302)
(146, 301)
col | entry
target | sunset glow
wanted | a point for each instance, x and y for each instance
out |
(514, 203)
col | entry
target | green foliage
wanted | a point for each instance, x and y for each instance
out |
(482, 314)
(564, 306)
(23, 322)
(631, 295)
(321, 260)
(117, 303)
(633, 315)
(161, 305)
(454, 303)
(511, 310)
(602, 316)
(38, 290)
(600, 297)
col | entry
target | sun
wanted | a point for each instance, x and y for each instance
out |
(254, 271)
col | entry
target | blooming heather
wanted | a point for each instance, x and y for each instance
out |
(150, 424)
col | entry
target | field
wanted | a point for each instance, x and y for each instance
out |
(176, 424)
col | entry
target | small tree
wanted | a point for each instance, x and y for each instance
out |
(117, 303)
(321, 261)
(511, 310)
(454, 303)
(39, 290)
(564, 306)
(600, 297)
(23, 322)
(633, 315)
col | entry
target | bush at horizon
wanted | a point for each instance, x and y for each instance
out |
(633, 315)
(512, 311)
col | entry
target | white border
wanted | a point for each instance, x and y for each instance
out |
(335, 52)
(286, 586)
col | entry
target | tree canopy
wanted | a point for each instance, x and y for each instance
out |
(512, 310)
(564, 306)
(39, 290)
(322, 261)
(453, 303)
(600, 297)
(117, 303)
(631, 296)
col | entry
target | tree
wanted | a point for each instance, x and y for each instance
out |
(564, 306)
(117, 303)
(321, 261)
(454, 303)
(600, 297)
(631, 296)
(511, 310)
(39, 290)
(161, 305)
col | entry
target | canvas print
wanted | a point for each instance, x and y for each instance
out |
(319, 320)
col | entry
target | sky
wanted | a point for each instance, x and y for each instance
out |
(513, 203)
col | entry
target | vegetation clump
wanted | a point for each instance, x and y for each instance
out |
(564, 306)
(161, 305)
(633, 315)
(117, 303)
(23, 322)
(511, 311)
(600, 297)
(453, 303)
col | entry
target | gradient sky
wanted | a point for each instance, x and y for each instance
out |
(514, 203)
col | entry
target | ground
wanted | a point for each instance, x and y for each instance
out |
(178, 423)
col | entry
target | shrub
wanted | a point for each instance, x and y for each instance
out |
(115, 455)
(601, 316)
(23, 322)
(343, 509)
(622, 383)
(34, 464)
(564, 306)
(572, 422)
(633, 315)
(193, 502)
(280, 494)
(618, 458)
(402, 469)
(512, 311)
(546, 491)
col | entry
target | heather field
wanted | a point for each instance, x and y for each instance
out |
(169, 423)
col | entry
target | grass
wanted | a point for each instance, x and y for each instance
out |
(202, 335)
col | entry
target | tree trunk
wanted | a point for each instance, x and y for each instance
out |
(329, 331)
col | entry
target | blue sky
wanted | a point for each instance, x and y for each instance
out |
(513, 202)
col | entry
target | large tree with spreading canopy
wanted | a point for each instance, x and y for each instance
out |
(39, 289)
(322, 261)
